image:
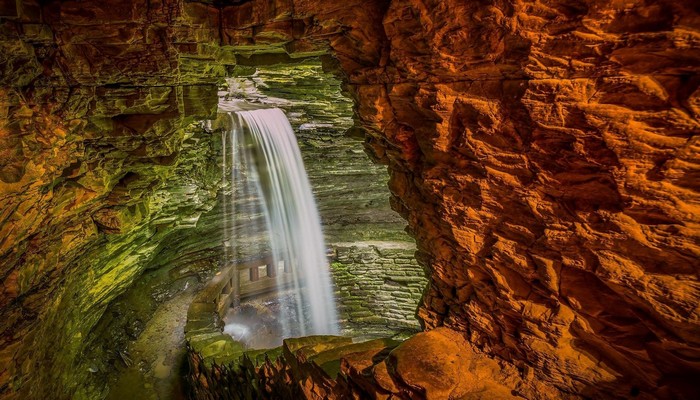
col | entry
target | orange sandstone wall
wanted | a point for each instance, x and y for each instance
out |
(545, 155)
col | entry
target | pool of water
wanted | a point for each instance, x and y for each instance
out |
(256, 324)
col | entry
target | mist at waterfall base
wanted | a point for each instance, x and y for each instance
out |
(271, 210)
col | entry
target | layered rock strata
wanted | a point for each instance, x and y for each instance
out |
(97, 169)
(377, 284)
(544, 153)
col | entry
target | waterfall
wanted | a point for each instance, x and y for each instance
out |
(268, 180)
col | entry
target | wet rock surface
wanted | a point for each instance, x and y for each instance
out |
(543, 153)
(439, 364)
(377, 284)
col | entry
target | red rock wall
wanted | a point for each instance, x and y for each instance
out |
(546, 157)
(544, 153)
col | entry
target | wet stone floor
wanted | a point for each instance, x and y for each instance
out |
(154, 364)
(256, 323)
(157, 358)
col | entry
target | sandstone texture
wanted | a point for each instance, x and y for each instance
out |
(545, 155)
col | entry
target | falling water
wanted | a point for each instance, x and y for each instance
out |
(265, 164)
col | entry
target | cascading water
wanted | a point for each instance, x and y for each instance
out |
(270, 185)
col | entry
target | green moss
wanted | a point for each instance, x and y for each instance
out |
(260, 356)
(111, 264)
(219, 346)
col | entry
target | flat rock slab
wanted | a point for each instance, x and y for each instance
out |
(441, 364)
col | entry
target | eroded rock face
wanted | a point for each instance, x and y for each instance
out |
(97, 169)
(544, 154)
(551, 185)
(544, 157)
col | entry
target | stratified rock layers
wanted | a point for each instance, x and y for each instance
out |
(546, 157)
(544, 153)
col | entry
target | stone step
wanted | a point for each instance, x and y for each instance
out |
(312, 345)
(356, 356)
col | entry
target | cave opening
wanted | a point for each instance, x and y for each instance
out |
(364, 236)
(377, 282)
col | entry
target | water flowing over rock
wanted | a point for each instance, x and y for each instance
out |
(265, 156)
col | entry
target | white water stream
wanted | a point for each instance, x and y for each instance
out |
(265, 163)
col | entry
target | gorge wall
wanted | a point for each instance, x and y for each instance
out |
(544, 153)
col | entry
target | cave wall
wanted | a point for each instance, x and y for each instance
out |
(549, 170)
(97, 169)
(378, 286)
(544, 153)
